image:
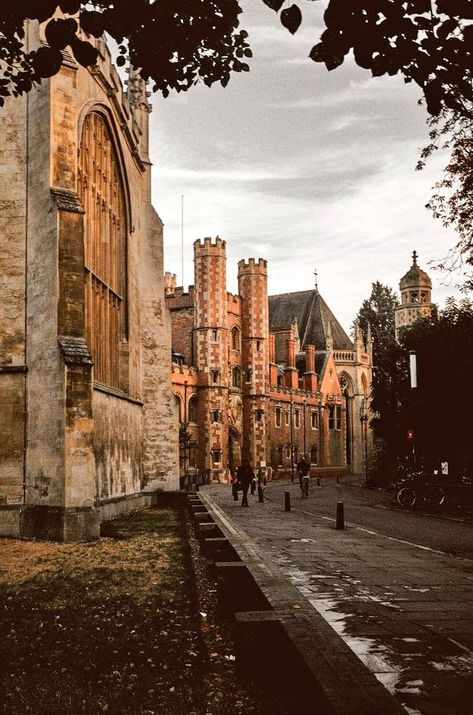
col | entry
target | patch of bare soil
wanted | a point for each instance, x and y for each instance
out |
(121, 626)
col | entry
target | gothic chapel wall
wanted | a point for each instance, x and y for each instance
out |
(85, 398)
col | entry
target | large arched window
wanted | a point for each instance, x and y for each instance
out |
(101, 191)
(192, 410)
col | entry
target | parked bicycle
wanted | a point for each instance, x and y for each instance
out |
(418, 486)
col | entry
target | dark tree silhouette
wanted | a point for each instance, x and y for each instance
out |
(439, 408)
(176, 44)
(377, 311)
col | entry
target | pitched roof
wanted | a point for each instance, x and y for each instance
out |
(313, 318)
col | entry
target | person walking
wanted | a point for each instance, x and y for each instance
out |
(303, 469)
(245, 476)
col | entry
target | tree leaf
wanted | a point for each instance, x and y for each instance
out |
(275, 5)
(47, 61)
(291, 18)
(85, 54)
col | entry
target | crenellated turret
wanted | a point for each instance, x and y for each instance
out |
(253, 289)
(211, 348)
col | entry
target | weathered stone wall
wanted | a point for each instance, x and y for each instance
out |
(12, 437)
(12, 298)
(118, 437)
(83, 445)
(45, 457)
(161, 422)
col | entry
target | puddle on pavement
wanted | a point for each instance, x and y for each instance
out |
(381, 660)
(456, 663)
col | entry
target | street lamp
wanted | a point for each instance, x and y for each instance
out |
(364, 434)
(184, 461)
(292, 443)
(304, 404)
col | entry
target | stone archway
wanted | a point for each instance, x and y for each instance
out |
(234, 449)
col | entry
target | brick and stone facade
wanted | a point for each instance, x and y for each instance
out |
(75, 450)
(249, 385)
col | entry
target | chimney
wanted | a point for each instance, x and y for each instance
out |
(290, 352)
(310, 378)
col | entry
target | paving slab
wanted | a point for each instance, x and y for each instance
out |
(405, 610)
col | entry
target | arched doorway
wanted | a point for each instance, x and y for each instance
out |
(347, 390)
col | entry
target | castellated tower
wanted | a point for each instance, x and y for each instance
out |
(211, 352)
(253, 289)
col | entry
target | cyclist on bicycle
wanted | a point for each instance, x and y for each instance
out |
(303, 469)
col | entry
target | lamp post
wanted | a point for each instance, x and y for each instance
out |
(292, 442)
(304, 404)
(364, 434)
(184, 461)
(413, 402)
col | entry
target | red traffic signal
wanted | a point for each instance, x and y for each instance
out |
(410, 435)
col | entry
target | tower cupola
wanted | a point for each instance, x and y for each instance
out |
(416, 289)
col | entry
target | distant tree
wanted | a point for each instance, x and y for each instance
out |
(176, 44)
(452, 200)
(377, 312)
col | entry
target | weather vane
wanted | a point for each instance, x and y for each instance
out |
(315, 275)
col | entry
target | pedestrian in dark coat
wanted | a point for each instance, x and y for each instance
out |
(245, 476)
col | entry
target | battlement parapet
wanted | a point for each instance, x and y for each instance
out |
(253, 266)
(187, 370)
(209, 246)
(232, 298)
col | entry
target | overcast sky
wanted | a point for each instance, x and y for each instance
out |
(306, 168)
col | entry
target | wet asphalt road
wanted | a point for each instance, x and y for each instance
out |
(372, 510)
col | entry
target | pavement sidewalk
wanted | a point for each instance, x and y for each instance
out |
(405, 610)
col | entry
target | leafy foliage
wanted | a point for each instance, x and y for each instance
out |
(427, 41)
(452, 200)
(171, 47)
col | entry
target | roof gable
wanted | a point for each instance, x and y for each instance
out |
(314, 318)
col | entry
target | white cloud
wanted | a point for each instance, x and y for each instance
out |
(303, 167)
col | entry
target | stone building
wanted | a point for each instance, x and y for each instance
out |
(265, 379)
(87, 417)
(416, 290)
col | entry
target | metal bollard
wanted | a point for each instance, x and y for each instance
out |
(287, 501)
(235, 492)
(340, 522)
(338, 480)
(318, 481)
(260, 494)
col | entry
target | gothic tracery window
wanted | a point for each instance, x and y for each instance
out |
(101, 191)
